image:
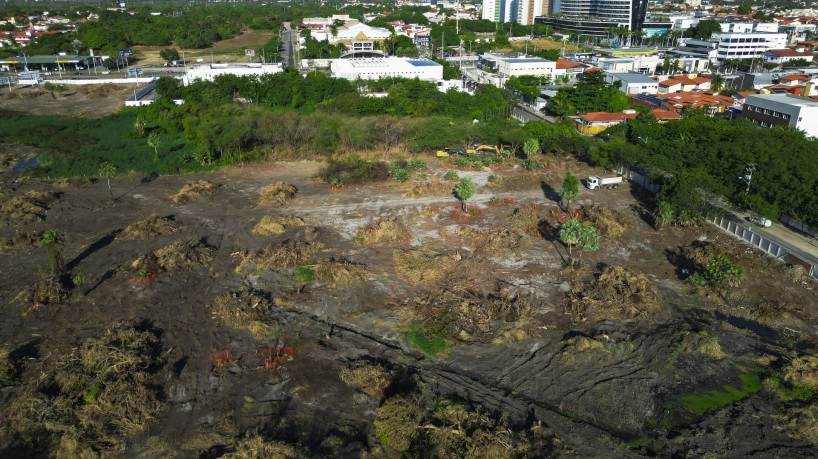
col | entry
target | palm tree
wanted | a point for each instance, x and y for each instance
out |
(717, 83)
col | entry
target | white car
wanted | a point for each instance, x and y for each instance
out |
(760, 221)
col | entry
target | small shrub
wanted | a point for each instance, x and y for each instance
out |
(462, 162)
(492, 177)
(369, 379)
(416, 164)
(400, 175)
(451, 176)
(422, 176)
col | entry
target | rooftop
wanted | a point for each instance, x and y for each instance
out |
(633, 77)
(788, 99)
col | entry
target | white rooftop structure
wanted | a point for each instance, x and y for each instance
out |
(208, 72)
(374, 68)
(358, 31)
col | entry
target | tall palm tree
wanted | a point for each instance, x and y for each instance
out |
(717, 83)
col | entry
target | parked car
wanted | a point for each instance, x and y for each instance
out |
(760, 221)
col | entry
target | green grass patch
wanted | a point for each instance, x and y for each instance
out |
(305, 274)
(715, 399)
(78, 146)
(433, 344)
(432, 335)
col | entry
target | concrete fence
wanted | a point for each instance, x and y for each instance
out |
(101, 81)
(730, 226)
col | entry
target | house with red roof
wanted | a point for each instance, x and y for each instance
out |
(782, 56)
(569, 69)
(793, 80)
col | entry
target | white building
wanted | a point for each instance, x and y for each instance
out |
(747, 45)
(749, 27)
(782, 110)
(357, 32)
(516, 64)
(375, 68)
(208, 72)
(633, 82)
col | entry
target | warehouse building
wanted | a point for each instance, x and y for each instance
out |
(375, 68)
(208, 72)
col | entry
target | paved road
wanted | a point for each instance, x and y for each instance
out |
(800, 245)
(288, 51)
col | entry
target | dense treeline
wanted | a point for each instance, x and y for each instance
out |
(711, 154)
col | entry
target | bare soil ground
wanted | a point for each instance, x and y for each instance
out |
(93, 101)
(233, 47)
(319, 339)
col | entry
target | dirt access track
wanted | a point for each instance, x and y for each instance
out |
(363, 321)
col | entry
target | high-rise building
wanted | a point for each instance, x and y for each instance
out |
(591, 17)
(527, 10)
(492, 10)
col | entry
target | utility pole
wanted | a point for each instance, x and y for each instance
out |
(748, 176)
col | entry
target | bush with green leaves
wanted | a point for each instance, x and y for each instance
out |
(721, 274)
(451, 176)
(400, 175)
(462, 162)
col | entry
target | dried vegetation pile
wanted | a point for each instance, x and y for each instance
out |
(609, 223)
(21, 241)
(277, 194)
(26, 208)
(256, 447)
(525, 219)
(449, 429)
(387, 230)
(179, 256)
(340, 272)
(371, 379)
(193, 190)
(494, 242)
(149, 228)
(45, 290)
(91, 401)
(423, 265)
(616, 294)
(270, 225)
(245, 310)
(281, 254)
(429, 188)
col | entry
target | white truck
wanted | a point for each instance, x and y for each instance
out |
(596, 182)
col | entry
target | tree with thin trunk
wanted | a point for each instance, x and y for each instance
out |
(570, 188)
(530, 148)
(464, 190)
(54, 245)
(139, 126)
(153, 141)
(107, 170)
(588, 240)
(570, 234)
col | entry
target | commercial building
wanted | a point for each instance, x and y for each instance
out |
(501, 10)
(375, 68)
(746, 45)
(597, 27)
(696, 49)
(630, 13)
(516, 64)
(208, 72)
(633, 82)
(768, 110)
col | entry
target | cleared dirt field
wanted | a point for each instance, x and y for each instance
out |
(91, 101)
(377, 320)
(233, 47)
